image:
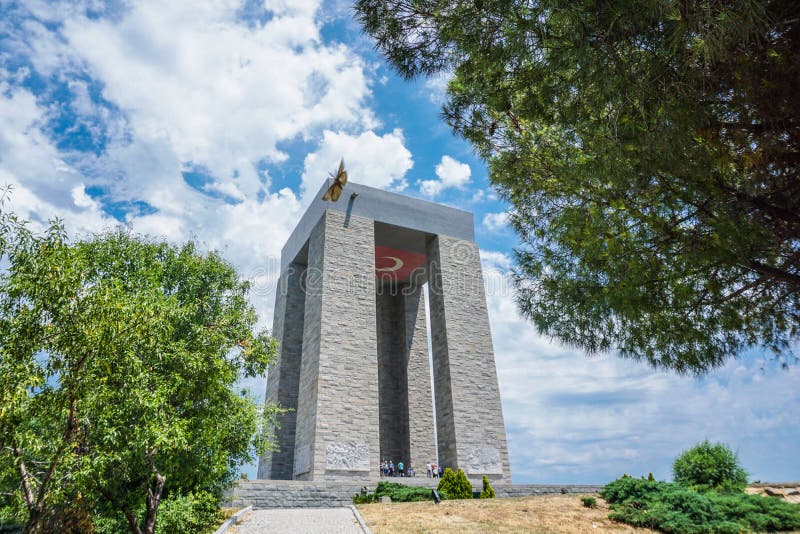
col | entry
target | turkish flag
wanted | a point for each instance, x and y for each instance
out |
(397, 265)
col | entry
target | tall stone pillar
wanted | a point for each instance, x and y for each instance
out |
(392, 376)
(284, 375)
(418, 377)
(337, 413)
(469, 416)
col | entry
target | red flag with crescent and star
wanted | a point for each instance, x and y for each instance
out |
(397, 265)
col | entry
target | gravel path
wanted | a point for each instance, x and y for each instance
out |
(300, 521)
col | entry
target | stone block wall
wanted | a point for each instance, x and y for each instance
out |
(406, 404)
(392, 376)
(469, 415)
(418, 372)
(337, 417)
(284, 375)
(294, 494)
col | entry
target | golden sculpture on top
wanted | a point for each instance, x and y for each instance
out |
(339, 181)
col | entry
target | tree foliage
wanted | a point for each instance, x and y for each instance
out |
(709, 466)
(455, 485)
(649, 151)
(118, 357)
(488, 491)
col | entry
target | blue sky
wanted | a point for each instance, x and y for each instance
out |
(216, 122)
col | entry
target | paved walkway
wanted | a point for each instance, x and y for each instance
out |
(300, 521)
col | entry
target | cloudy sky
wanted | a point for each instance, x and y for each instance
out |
(216, 121)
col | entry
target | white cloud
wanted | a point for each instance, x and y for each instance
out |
(377, 161)
(191, 86)
(495, 221)
(452, 174)
(44, 185)
(81, 198)
(436, 85)
(212, 90)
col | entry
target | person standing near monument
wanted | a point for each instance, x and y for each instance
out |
(400, 468)
(428, 471)
(391, 468)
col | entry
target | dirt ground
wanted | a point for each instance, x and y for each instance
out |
(546, 513)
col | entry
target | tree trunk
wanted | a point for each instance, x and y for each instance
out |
(34, 507)
(132, 522)
(24, 476)
(34, 518)
(153, 500)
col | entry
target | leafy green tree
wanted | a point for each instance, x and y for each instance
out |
(649, 151)
(709, 466)
(118, 358)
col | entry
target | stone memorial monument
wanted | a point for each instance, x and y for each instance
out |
(354, 365)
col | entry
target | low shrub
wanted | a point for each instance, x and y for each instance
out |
(402, 493)
(631, 489)
(589, 502)
(673, 507)
(488, 490)
(396, 492)
(455, 485)
(708, 466)
(363, 498)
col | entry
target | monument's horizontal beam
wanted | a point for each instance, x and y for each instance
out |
(381, 206)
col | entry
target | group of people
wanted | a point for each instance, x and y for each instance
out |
(389, 469)
(433, 470)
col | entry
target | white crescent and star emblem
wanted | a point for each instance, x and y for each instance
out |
(398, 264)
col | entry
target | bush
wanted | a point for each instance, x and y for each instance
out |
(455, 485)
(709, 466)
(589, 502)
(363, 498)
(673, 507)
(194, 512)
(397, 492)
(488, 490)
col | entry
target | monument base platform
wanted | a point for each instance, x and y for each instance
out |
(262, 494)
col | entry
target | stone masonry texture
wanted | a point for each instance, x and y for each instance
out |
(354, 366)
(305, 429)
(264, 494)
(392, 376)
(265, 469)
(338, 393)
(283, 377)
(468, 410)
(420, 404)
(406, 408)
